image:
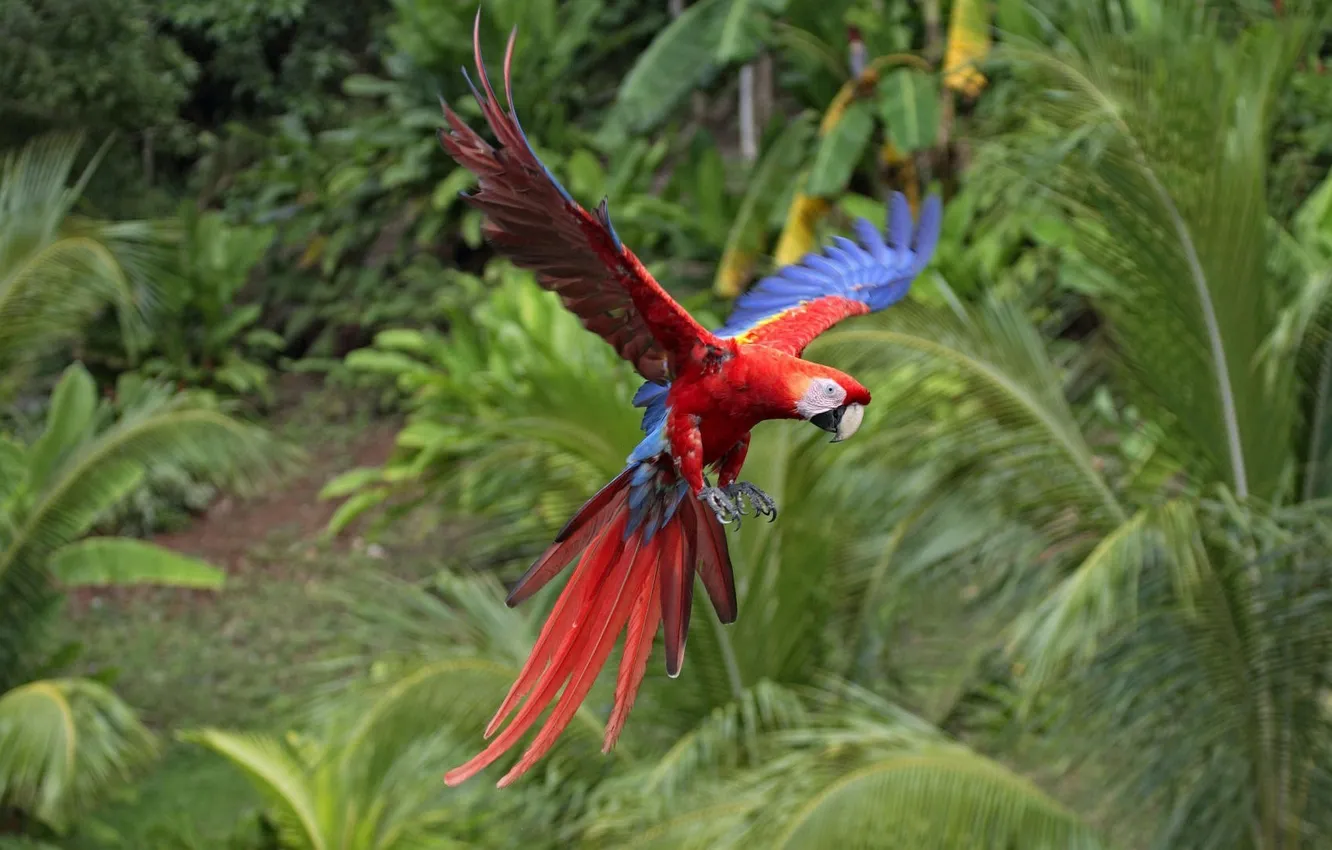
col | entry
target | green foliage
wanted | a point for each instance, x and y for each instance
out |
(199, 333)
(859, 772)
(1130, 156)
(273, 58)
(681, 58)
(1144, 658)
(353, 217)
(80, 465)
(354, 779)
(909, 102)
(561, 58)
(118, 561)
(821, 170)
(64, 745)
(169, 494)
(710, 35)
(840, 151)
(501, 404)
(1302, 136)
(1067, 591)
(57, 268)
(88, 65)
(367, 211)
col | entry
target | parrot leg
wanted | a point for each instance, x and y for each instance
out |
(726, 510)
(762, 503)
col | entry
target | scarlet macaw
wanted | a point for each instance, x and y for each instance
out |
(640, 538)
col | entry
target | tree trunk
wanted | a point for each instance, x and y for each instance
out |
(748, 133)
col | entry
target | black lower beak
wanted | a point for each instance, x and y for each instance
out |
(829, 419)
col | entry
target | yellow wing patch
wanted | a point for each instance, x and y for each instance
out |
(749, 335)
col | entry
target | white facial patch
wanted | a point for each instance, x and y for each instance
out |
(824, 394)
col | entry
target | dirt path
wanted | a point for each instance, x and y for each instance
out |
(232, 527)
(230, 531)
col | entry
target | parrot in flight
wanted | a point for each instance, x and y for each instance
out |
(639, 540)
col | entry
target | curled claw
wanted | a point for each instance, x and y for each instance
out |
(721, 504)
(762, 503)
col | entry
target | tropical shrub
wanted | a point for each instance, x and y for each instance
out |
(65, 744)
(59, 269)
(199, 334)
(84, 461)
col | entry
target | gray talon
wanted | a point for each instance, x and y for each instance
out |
(721, 504)
(761, 502)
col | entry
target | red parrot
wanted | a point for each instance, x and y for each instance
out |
(639, 540)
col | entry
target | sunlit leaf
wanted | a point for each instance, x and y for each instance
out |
(909, 105)
(104, 561)
(840, 151)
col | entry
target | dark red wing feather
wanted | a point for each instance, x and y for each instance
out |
(532, 219)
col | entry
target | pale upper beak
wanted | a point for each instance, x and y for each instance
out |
(842, 421)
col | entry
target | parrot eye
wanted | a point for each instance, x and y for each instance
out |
(820, 394)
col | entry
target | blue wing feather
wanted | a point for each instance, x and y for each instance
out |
(899, 223)
(873, 271)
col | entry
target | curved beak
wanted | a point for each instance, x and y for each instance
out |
(842, 422)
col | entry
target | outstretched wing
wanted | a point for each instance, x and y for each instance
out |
(532, 220)
(787, 310)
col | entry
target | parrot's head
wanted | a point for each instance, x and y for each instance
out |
(832, 400)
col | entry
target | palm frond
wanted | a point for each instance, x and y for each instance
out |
(975, 390)
(731, 736)
(1207, 703)
(80, 466)
(860, 774)
(57, 270)
(1165, 183)
(359, 779)
(935, 799)
(100, 470)
(438, 661)
(279, 774)
(64, 744)
(1097, 598)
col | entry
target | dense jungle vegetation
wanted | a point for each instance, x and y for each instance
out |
(277, 427)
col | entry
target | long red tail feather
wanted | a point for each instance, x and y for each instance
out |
(570, 608)
(558, 556)
(643, 624)
(592, 508)
(677, 597)
(595, 643)
(622, 583)
(714, 564)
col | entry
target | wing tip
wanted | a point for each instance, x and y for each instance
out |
(603, 215)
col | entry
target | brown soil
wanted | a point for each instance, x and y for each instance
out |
(230, 529)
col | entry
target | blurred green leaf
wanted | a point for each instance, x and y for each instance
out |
(909, 106)
(840, 151)
(105, 561)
